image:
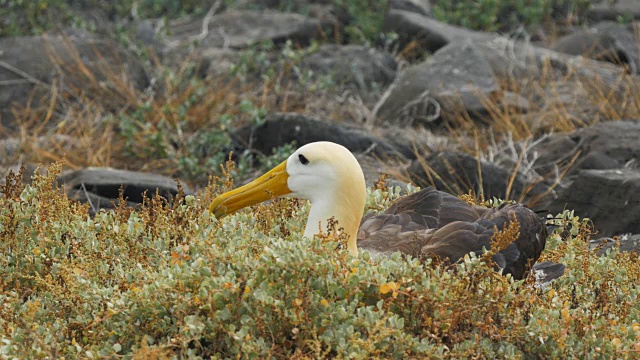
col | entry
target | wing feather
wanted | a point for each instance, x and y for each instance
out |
(432, 223)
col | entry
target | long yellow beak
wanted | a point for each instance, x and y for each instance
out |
(273, 183)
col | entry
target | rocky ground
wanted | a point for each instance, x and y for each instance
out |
(547, 118)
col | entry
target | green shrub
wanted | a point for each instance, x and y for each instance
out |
(365, 18)
(172, 281)
(172, 8)
(189, 137)
(499, 15)
(33, 17)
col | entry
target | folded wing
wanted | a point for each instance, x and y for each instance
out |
(435, 224)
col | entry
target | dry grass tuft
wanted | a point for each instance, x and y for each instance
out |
(180, 126)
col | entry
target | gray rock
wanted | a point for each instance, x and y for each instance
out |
(319, 9)
(627, 38)
(373, 168)
(467, 69)
(97, 202)
(13, 148)
(354, 65)
(514, 102)
(9, 149)
(622, 243)
(96, 19)
(145, 31)
(597, 160)
(610, 198)
(606, 145)
(509, 60)
(416, 6)
(457, 173)
(587, 42)
(430, 33)
(239, 29)
(30, 65)
(553, 151)
(30, 170)
(605, 10)
(607, 41)
(215, 52)
(569, 80)
(208, 61)
(455, 78)
(283, 128)
(100, 186)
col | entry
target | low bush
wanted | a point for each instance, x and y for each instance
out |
(33, 17)
(169, 280)
(497, 15)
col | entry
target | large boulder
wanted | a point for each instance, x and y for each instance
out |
(354, 66)
(458, 173)
(607, 41)
(416, 6)
(461, 79)
(431, 34)
(33, 68)
(239, 29)
(456, 77)
(213, 44)
(610, 198)
(622, 243)
(514, 60)
(619, 9)
(609, 145)
(284, 128)
(627, 38)
(13, 150)
(359, 66)
(320, 9)
(100, 187)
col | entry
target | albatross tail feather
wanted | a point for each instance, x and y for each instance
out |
(547, 271)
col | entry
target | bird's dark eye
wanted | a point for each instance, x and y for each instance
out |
(303, 159)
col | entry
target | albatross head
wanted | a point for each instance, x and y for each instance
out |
(325, 173)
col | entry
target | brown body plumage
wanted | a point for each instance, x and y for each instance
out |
(435, 224)
(428, 223)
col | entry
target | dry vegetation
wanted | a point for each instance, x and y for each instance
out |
(182, 125)
(170, 280)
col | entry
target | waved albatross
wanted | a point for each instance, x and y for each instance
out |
(427, 224)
